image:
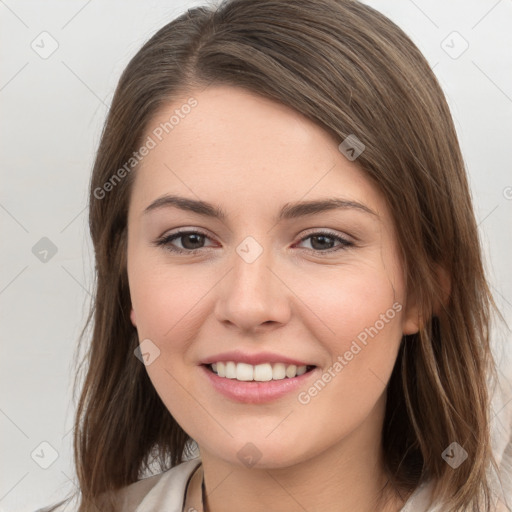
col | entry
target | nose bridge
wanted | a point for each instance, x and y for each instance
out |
(252, 276)
(252, 294)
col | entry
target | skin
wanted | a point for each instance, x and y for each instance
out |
(250, 156)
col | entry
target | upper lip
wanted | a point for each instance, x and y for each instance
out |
(253, 359)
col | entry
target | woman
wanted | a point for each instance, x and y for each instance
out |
(289, 276)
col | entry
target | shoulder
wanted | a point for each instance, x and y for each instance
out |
(165, 487)
(419, 499)
(129, 498)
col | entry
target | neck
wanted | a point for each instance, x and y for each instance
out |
(346, 477)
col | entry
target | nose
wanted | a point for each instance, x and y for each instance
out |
(253, 296)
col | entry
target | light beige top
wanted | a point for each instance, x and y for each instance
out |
(166, 492)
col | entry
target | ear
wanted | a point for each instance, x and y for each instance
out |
(412, 319)
(132, 318)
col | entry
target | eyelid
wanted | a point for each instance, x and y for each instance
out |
(174, 235)
(327, 231)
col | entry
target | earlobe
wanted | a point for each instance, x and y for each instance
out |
(132, 318)
(412, 319)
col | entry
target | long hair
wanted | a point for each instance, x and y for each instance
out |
(351, 70)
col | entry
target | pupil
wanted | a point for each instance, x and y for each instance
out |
(320, 237)
(192, 235)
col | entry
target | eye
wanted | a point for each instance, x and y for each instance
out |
(322, 242)
(191, 242)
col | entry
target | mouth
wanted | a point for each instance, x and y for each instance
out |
(264, 372)
(258, 384)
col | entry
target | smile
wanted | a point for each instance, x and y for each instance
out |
(259, 373)
(254, 391)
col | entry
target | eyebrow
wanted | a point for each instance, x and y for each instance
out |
(288, 211)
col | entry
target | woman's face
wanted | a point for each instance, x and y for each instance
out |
(272, 283)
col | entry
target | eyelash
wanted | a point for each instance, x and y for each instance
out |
(166, 242)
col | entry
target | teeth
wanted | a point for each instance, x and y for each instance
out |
(260, 372)
(301, 370)
(230, 370)
(263, 372)
(244, 371)
(291, 371)
(278, 371)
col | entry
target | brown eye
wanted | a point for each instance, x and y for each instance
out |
(191, 242)
(325, 242)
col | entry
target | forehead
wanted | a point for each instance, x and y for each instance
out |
(236, 145)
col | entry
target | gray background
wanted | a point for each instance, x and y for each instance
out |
(53, 107)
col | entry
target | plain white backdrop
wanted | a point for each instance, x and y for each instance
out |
(60, 62)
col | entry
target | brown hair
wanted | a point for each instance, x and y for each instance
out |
(351, 70)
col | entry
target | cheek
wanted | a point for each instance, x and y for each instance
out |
(354, 299)
(168, 303)
(361, 315)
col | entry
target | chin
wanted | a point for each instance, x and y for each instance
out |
(256, 453)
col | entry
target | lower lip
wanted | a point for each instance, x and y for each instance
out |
(253, 392)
